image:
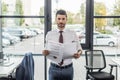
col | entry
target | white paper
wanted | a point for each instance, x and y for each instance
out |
(69, 50)
(59, 51)
(56, 51)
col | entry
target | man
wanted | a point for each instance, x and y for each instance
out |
(64, 69)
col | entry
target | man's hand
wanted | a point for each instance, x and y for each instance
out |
(77, 55)
(45, 52)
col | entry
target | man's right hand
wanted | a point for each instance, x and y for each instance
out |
(45, 52)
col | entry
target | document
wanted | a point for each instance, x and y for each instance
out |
(59, 51)
(69, 50)
(56, 51)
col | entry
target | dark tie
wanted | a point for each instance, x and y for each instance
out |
(61, 37)
(61, 41)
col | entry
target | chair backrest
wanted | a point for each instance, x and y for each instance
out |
(95, 59)
(25, 70)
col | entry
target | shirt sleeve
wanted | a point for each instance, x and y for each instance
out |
(78, 45)
(46, 41)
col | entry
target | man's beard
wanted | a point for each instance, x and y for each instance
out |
(61, 25)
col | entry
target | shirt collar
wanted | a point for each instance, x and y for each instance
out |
(64, 30)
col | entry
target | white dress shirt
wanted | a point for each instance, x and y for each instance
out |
(69, 36)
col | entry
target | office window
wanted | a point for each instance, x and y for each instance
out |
(22, 31)
(27, 16)
(106, 23)
(28, 37)
(23, 7)
(107, 8)
(108, 35)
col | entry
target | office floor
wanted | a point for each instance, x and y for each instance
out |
(79, 69)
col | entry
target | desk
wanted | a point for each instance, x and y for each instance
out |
(6, 70)
(117, 62)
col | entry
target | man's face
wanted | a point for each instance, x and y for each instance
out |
(61, 21)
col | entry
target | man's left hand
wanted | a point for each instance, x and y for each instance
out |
(77, 55)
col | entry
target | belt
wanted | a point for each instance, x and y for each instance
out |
(61, 67)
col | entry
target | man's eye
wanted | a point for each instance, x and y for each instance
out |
(63, 18)
(58, 18)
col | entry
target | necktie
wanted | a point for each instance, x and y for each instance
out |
(61, 41)
(61, 37)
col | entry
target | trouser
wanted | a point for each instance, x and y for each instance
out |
(60, 73)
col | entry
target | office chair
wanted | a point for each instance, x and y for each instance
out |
(25, 71)
(95, 63)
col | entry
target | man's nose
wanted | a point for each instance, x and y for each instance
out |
(61, 20)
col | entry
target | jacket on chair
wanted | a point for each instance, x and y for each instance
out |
(25, 71)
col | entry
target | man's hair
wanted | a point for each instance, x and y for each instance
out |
(61, 12)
